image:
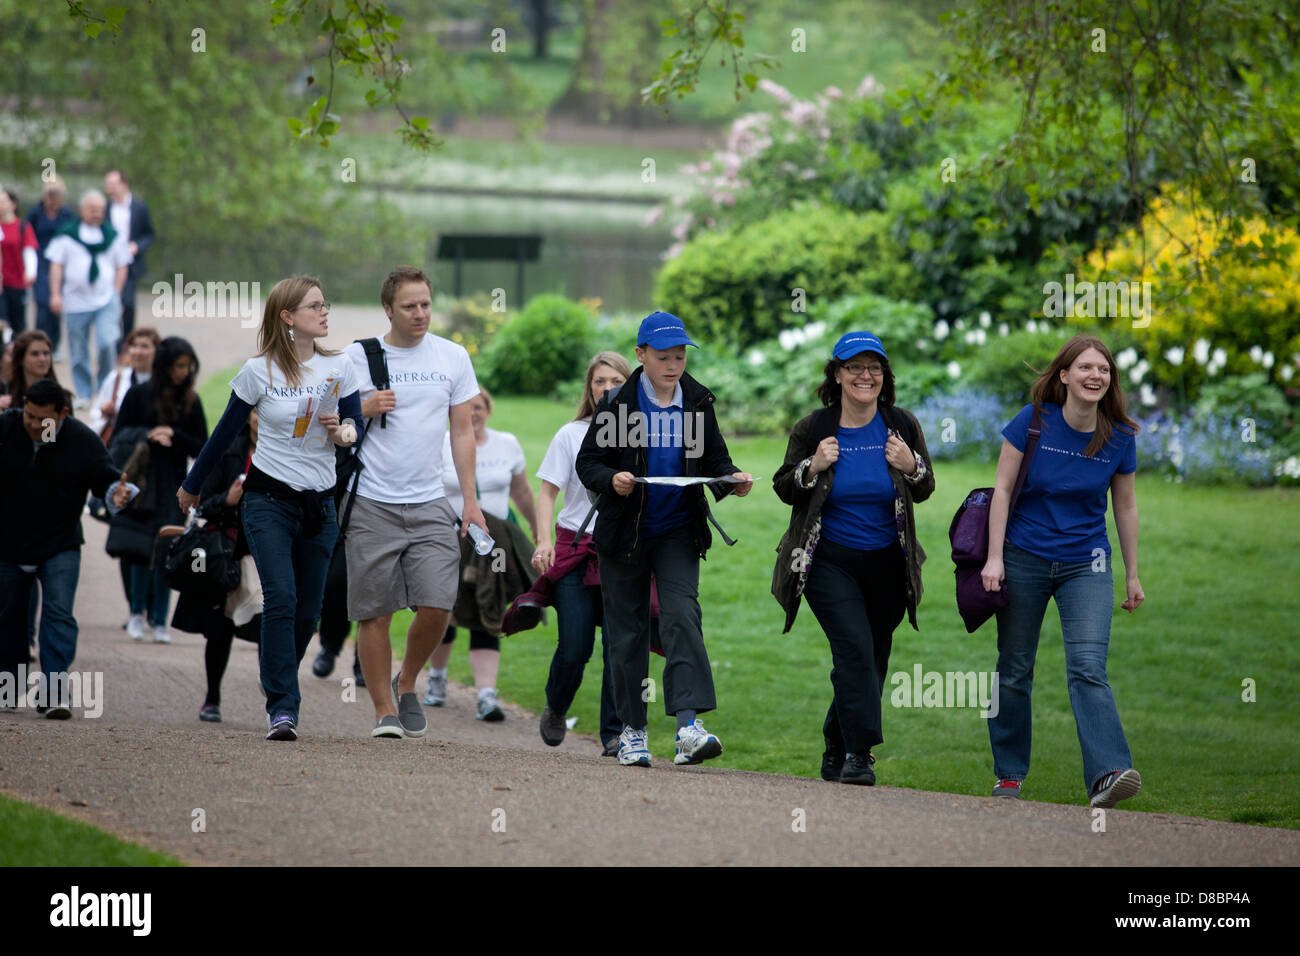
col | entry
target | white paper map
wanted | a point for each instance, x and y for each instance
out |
(307, 429)
(683, 482)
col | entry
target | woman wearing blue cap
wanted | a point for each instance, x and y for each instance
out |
(852, 472)
(659, 424)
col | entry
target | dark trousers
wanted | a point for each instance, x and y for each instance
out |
(128, 309)
(13, 309)
(334, 624)
(577, 608)
(478, 640)
(858, 597)
(625, 586)
(51, 323)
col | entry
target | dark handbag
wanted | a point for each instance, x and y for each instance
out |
(201, 561)
(969, 534)
(130, 536)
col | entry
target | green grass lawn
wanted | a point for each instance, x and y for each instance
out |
(1223, 594)
(32, 836)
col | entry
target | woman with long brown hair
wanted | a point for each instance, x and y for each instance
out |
(165, 412)
(1055, 546)
(307, 403)
(32, 361)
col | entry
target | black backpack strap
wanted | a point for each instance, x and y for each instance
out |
(356, 480)
(378, 363)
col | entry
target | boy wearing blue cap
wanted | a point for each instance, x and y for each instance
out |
(659, 424)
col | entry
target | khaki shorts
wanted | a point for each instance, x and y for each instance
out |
(401, 556)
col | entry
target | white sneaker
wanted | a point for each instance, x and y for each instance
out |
(695, 744)
(160, 635)
(488, 707)
(135, 627)
(632, 749)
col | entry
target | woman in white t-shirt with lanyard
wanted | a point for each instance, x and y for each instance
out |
(499, 473)
(307, 402)
(577, 602)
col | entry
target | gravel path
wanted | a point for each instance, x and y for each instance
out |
(474, 793)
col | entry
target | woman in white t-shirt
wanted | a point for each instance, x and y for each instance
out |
(569, 561)
(300, 390)
(499, 468)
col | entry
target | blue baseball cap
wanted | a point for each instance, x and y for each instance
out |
(853, 343)
(663, 330)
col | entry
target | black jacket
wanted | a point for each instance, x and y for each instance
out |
(798, 545)
(168, 465)
(618, 526)
(43, 489)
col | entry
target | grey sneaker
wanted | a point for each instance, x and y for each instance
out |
(553, 727)
(390, 727)
(1114, 787)
(435, 692)
(488, 708)
(409, 713)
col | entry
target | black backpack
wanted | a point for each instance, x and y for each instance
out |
(347, 461)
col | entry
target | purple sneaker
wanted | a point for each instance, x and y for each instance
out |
(282, 727)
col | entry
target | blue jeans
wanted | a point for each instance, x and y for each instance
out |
(141, 577)
(105, 323)
(576, 608)
(292, 569)
(58, 636)
(1085, 599)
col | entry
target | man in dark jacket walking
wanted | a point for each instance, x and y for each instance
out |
(48, 462)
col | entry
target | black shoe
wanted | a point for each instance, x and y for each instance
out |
(356, 673)
(832, 765)
(857, 769)
(323, 665)
(552, 727)
(610, 748)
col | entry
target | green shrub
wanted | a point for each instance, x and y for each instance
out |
(537, 348)
(1007, 365)
(739, 287)
(470, 322)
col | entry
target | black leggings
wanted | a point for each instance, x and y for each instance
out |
(478, 640)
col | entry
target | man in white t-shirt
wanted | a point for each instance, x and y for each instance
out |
(88, 265)
(402, 546)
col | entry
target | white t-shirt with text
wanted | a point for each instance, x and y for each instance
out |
(558, 468)
(292, 444)
(496, 462)
(403, 462)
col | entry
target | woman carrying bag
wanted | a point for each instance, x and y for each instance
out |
(1054, 546)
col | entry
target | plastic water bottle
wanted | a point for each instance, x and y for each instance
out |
(483, 541)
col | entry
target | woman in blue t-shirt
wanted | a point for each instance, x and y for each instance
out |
(852, 471)
(1055, 546)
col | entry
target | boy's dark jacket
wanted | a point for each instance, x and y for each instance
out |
(618, 525)
(799, 543)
